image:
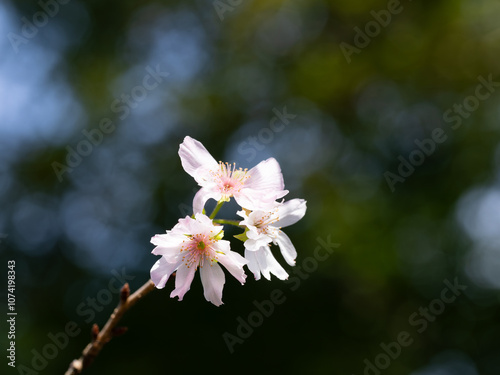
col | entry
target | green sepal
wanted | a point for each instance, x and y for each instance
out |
(242, 236)
(219, 236)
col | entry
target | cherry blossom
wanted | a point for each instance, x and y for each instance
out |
(264, 228)
(194, 243)
(255, 189)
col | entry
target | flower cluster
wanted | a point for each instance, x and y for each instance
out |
(197, 241)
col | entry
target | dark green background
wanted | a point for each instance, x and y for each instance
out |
(354, 120)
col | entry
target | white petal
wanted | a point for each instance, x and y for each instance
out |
(167, 245)
(263, 261)
(287, 249)
(264, 186)
(207, 223)
(266, 176)
(183, 279)
(256, 217)
(251, 245)
(161, 271)
(231, 260)
(273, 266)
(200, 224)
(253, 233)
(290, 212)
(253, 265)
(193, 226)
(166, 240)
(182, 226)
(246, 219)
(234, 263)
(242, 214)
(213, 279)
(195, 159)
(257, 242)
(202, 196)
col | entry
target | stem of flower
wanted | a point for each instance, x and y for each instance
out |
(99, 339)
(216, 209)
(236, 223)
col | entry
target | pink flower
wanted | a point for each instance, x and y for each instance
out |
(194, 243)
(257, 188)
(264, 228)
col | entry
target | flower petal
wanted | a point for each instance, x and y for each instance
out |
(168, 240)
(246, 220)
(257, 242)
(202, 196)
(290, 212)
(161, 271)
(287, 249)
(213, 279)
(232, 261)
(167, 245)
(264, 186)
(253, 264)
(183, 279)
(263, 261)
(196, 160)
(273, 266)
(206, 222)
(266, 176)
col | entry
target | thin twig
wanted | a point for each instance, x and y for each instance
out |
(99, 339)
(216, 209)
(236, 223)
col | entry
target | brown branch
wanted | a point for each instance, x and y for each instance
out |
(99, 339)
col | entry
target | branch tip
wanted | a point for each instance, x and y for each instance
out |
(94, 332)
(124, 292)
(101, 337)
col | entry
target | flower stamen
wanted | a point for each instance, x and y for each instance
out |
(229, 179)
